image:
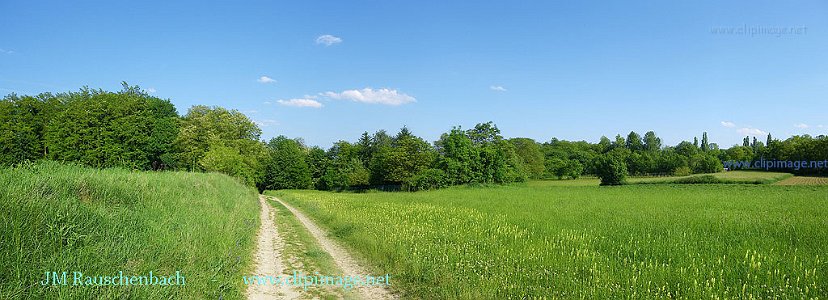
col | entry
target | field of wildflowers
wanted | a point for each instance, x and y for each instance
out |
(650, 241)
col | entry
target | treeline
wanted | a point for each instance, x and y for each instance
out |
(133, 129)
(646, 156)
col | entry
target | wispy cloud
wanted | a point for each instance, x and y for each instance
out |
(801, 126)
(751, 131)
(265, 79)
(5, 51)
(728, 124)
(301, 102)
(328, 40)
(369, 95)
(151, 90)
(497, 88)
(265, 123)
(267, 103)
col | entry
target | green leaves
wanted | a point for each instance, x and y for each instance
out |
(286, 167)
(612, 169)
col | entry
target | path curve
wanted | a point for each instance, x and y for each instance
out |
(341, 257)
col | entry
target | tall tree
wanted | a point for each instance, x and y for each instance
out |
(604, 144)
(652, 142)
(619, 142)
(204, 126)
(704, 144)
(458, 157)
(286, 167)
(530, 154)
(634, 142)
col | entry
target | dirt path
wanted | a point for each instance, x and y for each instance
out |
(341, 257)
(269, 259)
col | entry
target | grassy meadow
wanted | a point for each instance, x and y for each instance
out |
(59, 218)
(803, 180)
(547, 241)
(731, 177)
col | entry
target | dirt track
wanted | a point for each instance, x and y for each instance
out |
(341, 257)
(269, 259)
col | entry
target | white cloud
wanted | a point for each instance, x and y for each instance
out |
(328, 40)
(369, 95)
(497, 88)
(267, 103)
(265, 123)
(4, 51)
(801, 126)
(751, 131)
(151, 90)
(265, 79)
(728, 124)
(302, 102)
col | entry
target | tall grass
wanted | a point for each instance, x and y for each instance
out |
(56, 218)
(637, 241)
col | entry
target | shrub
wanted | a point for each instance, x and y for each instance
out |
(682, 171)
(701, 179)
(427, 179)
(611, 169)
(706, 164)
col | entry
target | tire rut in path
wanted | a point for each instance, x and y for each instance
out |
(341, 257)
(269, 259)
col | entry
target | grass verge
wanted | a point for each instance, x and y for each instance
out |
(64, 218)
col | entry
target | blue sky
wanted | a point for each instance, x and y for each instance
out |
(574, 70)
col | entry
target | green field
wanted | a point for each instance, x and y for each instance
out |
(804, 180)
(736, 177)
(547, 241)
(59, 218)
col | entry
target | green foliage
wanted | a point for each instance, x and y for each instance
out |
(345, 174)
(286, 167)
(317, 161)
(651, 141)
(701, 179)
(530, 155)
(105, 129)
(682, 171)
(498, 162)
(703, 163)
(344, 170)
(230, 161)
(641, 163)
(611, 169)
(59, 217)
(215, 139)
(458, 157)
(22, 127)
(203, 127)
(634, 142)
(565, 168)
(428, 179)
(398, 162)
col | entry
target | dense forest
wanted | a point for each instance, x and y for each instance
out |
(132, 129)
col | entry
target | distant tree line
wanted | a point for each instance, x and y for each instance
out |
(133, 129)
